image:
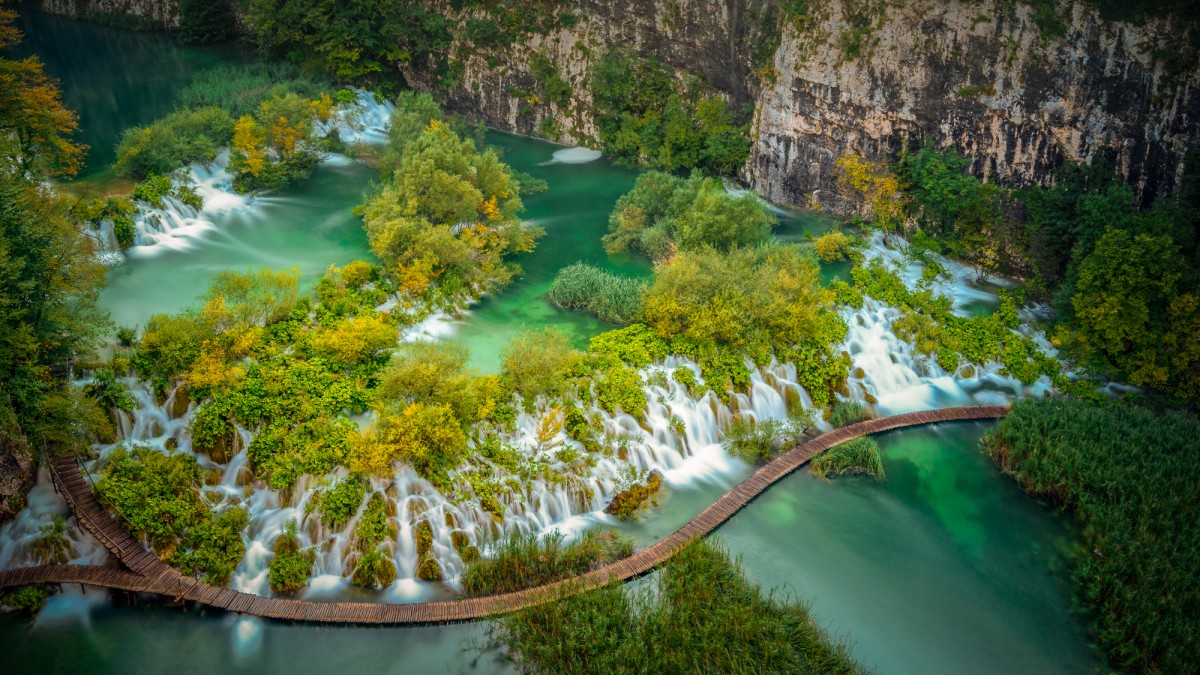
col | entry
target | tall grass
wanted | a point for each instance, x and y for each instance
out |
(525, 560)
(857, 456)
(1130, 477)
(699, 614)
(613, 298)
(240, 88)
(845, 413)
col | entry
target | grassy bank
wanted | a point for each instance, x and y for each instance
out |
(1129, 477)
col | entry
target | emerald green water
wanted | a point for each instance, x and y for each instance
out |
(945, 568)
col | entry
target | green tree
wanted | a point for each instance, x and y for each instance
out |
(1137, 311)
(35, 126)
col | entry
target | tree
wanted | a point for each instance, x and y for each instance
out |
(879, 189)
(205, 21)
(1137, 311)
(35, 126)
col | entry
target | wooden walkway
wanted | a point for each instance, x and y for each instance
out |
(147, 574)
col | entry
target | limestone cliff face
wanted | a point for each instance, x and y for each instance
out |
(163, 13)
(709, 38)
(979, 78)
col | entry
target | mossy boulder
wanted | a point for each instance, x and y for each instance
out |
(626, 503)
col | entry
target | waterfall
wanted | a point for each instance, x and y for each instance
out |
(899, 378)
(174, 226)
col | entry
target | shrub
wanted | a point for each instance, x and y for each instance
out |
(536, 362)
(158, 495)
(698, 614)
(184, 136)
(857, 456)
(757, 441)
(719, 308)
(28, 600)
(291, 567)
(635, 345)
(339, 503)
(663, 213)
(610, 297)
(832, 246)
(239, 89)
(845, 413)
(448, 214)
(426, 436)
(644, 116)
(437, 373)
(626, 503)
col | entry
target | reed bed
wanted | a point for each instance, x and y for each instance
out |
(525, 560)
(859, 456)
(612, 298)
(699, 614)
(1130, 477)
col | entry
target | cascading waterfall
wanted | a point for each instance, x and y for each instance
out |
(901, 380)
(679, 435)
(174, 225)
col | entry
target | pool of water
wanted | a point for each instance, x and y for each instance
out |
(944, 568)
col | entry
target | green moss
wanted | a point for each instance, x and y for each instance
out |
(626, 503)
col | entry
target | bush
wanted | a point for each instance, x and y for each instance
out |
(664, 213)
(645, 117)
(239, 89)
(184, 136)
(523, 561)
(537, 362)
(857, 456)
(437, 373)
(626, 503)
(159, 496)
(757, 441)
(426, 436)
(291, 567)
(339, 503)
(1128, 477)
(28, 600)
(610, 297)
(448, 214)
(205, 21)
(832, 246)
(719, 308)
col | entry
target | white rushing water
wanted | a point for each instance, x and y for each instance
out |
(574, 156)
(679, 436)
(175, 226)
(890, 370)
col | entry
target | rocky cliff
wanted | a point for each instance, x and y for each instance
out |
(163, 13)
(1015, 90)
(983, 77)
(712, 39)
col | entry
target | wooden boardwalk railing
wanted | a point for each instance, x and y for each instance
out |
(147, 574)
